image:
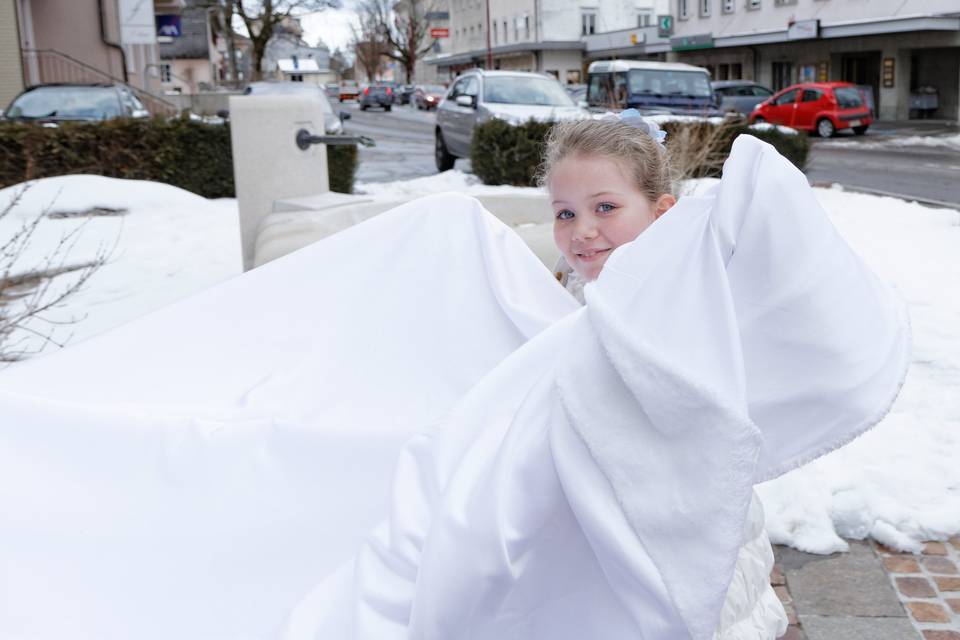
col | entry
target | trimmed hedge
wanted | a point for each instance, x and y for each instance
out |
(180, 152)
(502, 153)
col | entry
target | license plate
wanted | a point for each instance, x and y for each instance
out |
(854, 123)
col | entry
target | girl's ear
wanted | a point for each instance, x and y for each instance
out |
(663, 203)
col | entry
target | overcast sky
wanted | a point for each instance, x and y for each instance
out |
(330, 25)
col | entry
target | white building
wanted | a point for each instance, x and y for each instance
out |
(535, 35)
(908, 50)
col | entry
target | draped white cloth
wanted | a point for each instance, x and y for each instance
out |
(537, 470)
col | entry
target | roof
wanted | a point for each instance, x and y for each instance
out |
(608, 66)
(299, 65)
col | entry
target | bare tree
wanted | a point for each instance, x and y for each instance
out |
(262, 17)
(369, 46)
(404, 26)
(28, 295)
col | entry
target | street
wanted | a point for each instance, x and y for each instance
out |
(872, 163)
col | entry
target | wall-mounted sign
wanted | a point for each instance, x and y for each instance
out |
(638, 38)
(137, 24)
(168, 26)
(439, 32)
(690, 43)
(888, 72)
(664, 26)
(803, 30)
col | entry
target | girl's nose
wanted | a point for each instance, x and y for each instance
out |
(584, 229)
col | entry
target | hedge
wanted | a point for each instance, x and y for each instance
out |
(180, 152)
(503, 153)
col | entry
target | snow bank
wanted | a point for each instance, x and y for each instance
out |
(169, 244)
(947, 142)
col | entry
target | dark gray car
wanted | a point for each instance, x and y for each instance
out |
(739, 96)
(376, 95)
(52, 103)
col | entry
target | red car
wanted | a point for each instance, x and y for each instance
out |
(428, 96)
(823, 107)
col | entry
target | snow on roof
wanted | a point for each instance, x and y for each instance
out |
(299, 65)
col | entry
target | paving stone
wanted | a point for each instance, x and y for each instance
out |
(940, 634)
(948, 584)
(935, 564)
(791, 614)
(884, 549)
(954, 604)
(782, 593)
(847, 584)
(794, 633)
(901, 564)
(916, 588)
(850, 628)
(928, 612)
(776, 576)
(935, 549)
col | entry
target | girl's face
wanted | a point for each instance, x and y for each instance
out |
(596, 209)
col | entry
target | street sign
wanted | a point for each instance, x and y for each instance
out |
(803, 29)
(168, 26)
(440, 32)
(664, 26)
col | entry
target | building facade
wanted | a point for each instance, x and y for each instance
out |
(908, 51)
(548, 36)
(189, 61)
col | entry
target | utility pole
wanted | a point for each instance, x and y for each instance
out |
(489, 51)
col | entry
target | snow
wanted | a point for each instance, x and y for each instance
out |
(170, 243)
(947, 142)
(899, 483)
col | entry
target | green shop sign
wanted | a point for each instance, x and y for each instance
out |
(690, 43)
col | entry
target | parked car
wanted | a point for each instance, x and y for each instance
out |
(349, 90)
(406, 93)
(333, 90)
(376, 95)
(332, 122)
(821, 107)
(650, 87)
(52, 103)
(739, 96)
(513, 96)
(428, 96)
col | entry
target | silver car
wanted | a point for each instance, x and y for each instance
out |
(739, 96)
(513, 96)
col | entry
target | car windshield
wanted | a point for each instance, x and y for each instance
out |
(525, 90)
(66, 102)
(662, 82)
(848, 97)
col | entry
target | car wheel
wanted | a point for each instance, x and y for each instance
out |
(758, 120)
(861, 130)
(363, 107)
(825, 128)
(443, 157)
(387, 108)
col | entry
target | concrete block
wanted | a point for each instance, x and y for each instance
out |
(850, 584)
(849, 628)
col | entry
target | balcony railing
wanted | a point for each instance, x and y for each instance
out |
(49, 66)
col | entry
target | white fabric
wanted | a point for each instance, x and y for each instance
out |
(573, 473)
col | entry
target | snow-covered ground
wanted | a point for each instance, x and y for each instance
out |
(900, 483)
(947, 142)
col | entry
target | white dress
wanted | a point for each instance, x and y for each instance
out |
(408, 431)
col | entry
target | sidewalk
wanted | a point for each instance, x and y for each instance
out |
(871, 593)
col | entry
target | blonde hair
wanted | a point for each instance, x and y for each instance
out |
(644, 160)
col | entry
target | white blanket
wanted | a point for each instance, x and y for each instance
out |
(194, 474)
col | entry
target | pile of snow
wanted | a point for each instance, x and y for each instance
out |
(944, 142)
(766, 126)
(899, 483)
(162, 244)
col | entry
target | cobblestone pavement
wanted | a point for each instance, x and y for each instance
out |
(871, 593)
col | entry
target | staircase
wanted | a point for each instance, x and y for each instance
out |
(54, 66)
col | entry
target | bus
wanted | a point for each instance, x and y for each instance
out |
(651, 87)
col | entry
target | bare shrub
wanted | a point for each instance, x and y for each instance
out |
(29, 294)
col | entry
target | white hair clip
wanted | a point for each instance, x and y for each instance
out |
(633, 118)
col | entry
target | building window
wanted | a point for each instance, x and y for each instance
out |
(554, 73)
(526, 26)
(516, 29)
(705, 8)
(296, 77)
(506, 33)
(494, 32)
(683, 9)
(573, 76)
(644, 18)
(588, 23)
(753, 4)
(729, 6)
(782, 3)
(166, 73)
(736, 71)
(723, 72)
(782, 75)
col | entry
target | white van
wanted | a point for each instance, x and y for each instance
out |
(651, 87)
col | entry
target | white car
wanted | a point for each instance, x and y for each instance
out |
(513, 96)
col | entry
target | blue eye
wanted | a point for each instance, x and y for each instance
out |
(605, 207)
(564, 214)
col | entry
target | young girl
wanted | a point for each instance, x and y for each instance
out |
(608, 181)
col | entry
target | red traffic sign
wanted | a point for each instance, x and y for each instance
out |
(439, 32)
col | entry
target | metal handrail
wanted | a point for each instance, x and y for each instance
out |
(80, 67)
(304, 139)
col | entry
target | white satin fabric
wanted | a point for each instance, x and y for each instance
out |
(566, 472)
